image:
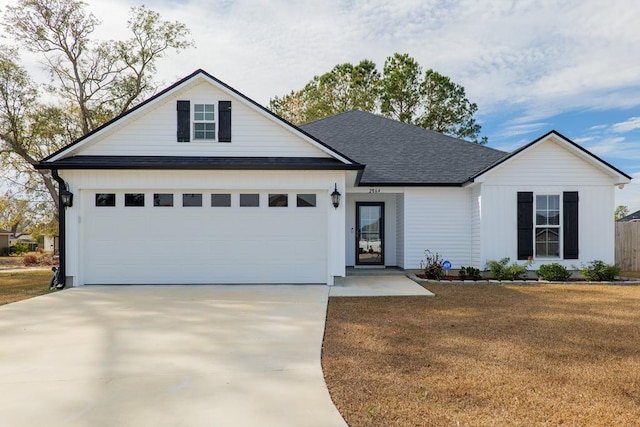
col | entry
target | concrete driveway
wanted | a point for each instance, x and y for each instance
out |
(166, 356)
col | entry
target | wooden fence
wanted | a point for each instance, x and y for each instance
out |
(628, 246)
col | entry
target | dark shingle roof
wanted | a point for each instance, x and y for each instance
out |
(3, 231)
(396, 153)
(631, 217)
(192, 162)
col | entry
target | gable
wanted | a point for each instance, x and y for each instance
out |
(153, 133)
(552, 160)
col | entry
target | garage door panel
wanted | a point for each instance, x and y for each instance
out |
(204, 244)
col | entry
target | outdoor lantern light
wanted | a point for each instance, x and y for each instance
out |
(67, 198)
(335, 197)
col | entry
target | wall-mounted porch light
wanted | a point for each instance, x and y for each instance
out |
(67, 198)
(335, 197)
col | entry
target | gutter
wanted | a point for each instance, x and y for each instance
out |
(62, 274)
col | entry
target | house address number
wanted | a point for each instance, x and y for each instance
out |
(374, 190)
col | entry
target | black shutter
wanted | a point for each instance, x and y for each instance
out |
(525, 225)
(184, 121)
(224, 121)
(570, 224)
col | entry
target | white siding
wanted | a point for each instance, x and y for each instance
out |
(152, 132)
(437, 219)
(400, 230)
(476, 235)
(548, 168)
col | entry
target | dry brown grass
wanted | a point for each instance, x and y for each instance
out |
(486, 356)
(22, 285)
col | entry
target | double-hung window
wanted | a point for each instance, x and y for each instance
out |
(204, 122)
(547, 229)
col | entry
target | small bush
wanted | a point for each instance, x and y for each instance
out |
(433, 265)
(600, 271)
(553, 272)
(469, 273)
(30, 260)
(19, 248)
(501, 270)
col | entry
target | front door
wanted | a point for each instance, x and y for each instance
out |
(370, 233)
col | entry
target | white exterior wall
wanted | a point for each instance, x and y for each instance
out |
(548, 168)
(400, 230)
(437, 219)
(390, 224)
(152, 131)
(476, 220)
(193, 181)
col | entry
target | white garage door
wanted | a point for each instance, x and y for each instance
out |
(202, 237)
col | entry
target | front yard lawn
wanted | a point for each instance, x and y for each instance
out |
(22, 285)
(487, 355)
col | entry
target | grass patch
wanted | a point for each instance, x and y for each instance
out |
(22, 285)
(487, 355)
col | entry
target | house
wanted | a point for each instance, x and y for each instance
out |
(4, 241)
(633, 217)
(200, 184)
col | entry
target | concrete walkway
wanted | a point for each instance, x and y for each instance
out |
(377, 284)
(166, 356)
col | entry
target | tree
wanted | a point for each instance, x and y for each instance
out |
(400, 88)
(345, 87)
(21, 216)
(446, 108)
(620, 212)
(403, 92)
(92, 81)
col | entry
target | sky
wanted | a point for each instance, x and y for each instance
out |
(531, 66)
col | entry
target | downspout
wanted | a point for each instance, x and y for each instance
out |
(62, 274)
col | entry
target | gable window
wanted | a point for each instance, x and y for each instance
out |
(278, 200)
(547, 237)
(105, 199)
(134, 199)
(306, 200)
(192, 200)
(204, 125)
(163, 199)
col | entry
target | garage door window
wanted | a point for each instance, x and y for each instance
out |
(163, 199)
(192, 200)
(306, 201)
(134, 199)
(278, 200)
(105, 199)
(221, 200)
(249, 200)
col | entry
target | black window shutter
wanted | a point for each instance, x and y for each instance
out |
(224, 121)
(570, 224)
(184, 121)
(525, 225)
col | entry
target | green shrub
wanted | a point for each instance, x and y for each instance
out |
(600, 271)
(469, 273)
(19, 248)
(554, 272)
(502, 270)
(433, 265)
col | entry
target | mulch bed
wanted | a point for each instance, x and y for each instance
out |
(487, 355)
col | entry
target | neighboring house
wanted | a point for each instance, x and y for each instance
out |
(4, 239)
(51, 244)
(200, 184)
(634, 217)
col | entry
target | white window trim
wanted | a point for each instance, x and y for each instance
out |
(558, 227)
(194, 122)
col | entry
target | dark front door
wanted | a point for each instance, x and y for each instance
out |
(370, 233)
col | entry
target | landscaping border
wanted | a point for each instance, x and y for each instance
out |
(417, 279)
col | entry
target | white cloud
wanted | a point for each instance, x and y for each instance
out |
(627, 126)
